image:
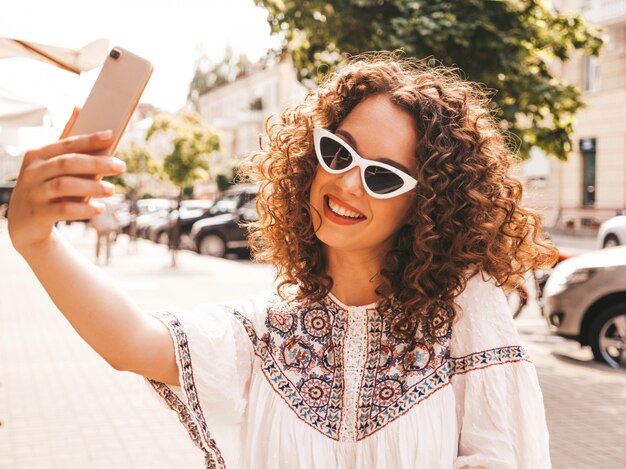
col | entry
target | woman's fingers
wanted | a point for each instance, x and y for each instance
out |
(69, 210)
(79, 144)
(69, 186)
(84, 165)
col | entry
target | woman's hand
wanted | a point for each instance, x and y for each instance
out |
(53, 183)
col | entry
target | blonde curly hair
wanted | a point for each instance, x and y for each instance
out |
(466, 216)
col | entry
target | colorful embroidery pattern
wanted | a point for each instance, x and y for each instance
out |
(303, 365)
(486, 358)
(398, 374)
(303, 354)
(192, 418)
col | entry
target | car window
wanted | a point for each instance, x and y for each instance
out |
(153, 205)
(247, 197)
(248, 211)
(226, 204)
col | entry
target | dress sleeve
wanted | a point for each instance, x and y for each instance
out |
(500, 410)
(214, 355)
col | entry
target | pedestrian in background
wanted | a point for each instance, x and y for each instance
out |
(386, 207)
(106, 226)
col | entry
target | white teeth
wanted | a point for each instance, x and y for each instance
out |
(342, 211)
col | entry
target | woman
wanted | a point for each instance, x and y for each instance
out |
(388, 212)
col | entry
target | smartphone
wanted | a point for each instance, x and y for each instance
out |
(114, 96)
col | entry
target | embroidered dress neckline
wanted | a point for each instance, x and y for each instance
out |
(344, 306)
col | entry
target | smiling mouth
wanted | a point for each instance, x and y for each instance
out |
(341, 211)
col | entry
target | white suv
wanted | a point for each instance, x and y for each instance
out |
(612, 232)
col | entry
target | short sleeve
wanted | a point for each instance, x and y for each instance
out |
(215, 357)
(500, 409)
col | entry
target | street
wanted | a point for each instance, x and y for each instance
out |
(62, 406)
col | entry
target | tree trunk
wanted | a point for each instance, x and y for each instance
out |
(175, 229)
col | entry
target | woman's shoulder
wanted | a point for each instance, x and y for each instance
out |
(483, 320)
(479, 286)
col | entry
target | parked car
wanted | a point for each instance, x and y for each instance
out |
(221, 234)
(149, 210)
(612, 232)
(6, 189)
(235, 197)
(585, 300)
(190, 212)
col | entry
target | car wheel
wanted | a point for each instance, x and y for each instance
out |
(608, 336)
(212, 245)
(610, 241)
(163, 238)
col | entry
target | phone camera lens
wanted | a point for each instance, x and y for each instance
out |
(115, 54)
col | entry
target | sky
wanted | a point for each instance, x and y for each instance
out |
(171, 34)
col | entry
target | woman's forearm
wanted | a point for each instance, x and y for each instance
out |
(102, 314)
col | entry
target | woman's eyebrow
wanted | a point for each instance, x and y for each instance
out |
(350, 139)
(347, 136)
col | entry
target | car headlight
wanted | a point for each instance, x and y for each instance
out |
(560, 280)
(578, 276)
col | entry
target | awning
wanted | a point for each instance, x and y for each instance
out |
(87, 58)
(18, 112)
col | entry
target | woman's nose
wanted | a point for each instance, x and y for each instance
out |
(350, 182)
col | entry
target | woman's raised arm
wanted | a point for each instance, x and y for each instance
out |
(52, 187)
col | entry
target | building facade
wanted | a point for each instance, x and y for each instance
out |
(238, 109)
(591, 186)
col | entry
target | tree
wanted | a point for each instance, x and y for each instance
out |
(192, 139)
(506, 45)
(139, 161)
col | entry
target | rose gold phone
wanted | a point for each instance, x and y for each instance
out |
(114, 96)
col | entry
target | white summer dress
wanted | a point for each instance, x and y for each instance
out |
(269, 383)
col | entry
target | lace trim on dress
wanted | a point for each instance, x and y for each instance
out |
(190, 416)
(354, 355)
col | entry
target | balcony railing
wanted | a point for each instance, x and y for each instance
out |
(605, 12)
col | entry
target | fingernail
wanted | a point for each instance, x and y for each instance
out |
(118, 165)
(108, 187)
(104, 134)
(98, 206)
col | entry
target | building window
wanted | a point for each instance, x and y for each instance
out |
(592, 73)
(256, 104)
(588, 150)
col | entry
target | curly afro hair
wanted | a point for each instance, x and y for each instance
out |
(466, 215)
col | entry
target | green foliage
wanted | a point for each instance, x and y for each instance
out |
(192, 140)
(138, 159)
(506, 45)
(226, 179)
(117, 180)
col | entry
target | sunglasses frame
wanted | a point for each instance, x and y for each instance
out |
(409, 182)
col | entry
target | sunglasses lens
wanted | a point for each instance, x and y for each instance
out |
(335, 155)
(381, 180)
